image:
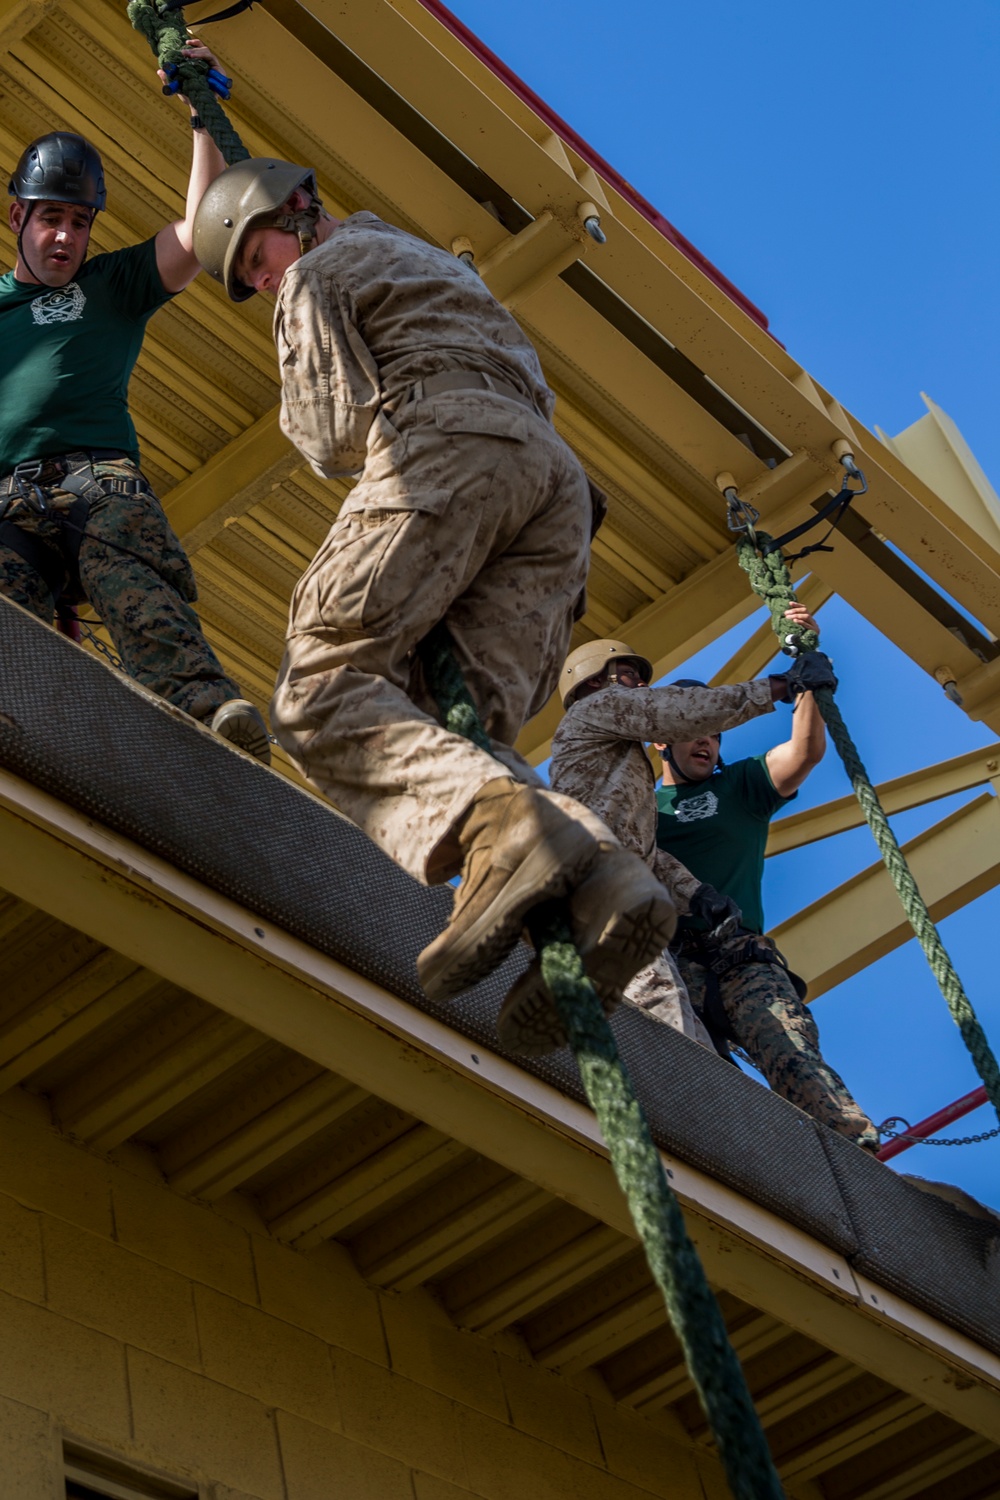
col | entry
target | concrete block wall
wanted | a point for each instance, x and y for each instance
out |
(184, 1341)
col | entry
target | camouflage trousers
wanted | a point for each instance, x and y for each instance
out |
(661, 992)
(142, 594)
(470, 510)
(779, 1035)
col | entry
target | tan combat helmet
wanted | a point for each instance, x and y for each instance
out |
(247, 196)
(586, 661)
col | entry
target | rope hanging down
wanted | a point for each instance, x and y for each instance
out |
(166, 33)
(770, 580)
(673, 1260)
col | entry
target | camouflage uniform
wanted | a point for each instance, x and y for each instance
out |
(599, 758)
(144, 600)
(779, 1035)
(469, 509)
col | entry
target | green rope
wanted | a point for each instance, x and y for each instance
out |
(166, 33)
(673, 1259)
(770, 580)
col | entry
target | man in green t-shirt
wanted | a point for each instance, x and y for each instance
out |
(714, 819)
(77, 518)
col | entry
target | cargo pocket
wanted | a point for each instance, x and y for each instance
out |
(383, 546)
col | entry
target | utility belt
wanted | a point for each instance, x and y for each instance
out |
(73, 472)
(719, 960)
(464, 380)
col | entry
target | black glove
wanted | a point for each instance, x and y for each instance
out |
(810, 671)
(711, 906)
(779, 687)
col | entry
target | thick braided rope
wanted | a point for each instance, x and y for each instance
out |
(769, 578)
(166, 34)
(673, 1260)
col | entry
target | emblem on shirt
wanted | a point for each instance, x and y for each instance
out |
(63, 304)
(692, 809)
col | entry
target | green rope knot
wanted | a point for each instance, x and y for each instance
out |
(166, 33)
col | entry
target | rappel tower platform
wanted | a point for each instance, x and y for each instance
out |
(273, 1227)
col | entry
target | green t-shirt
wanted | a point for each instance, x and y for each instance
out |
(718, 829)
(66, 355)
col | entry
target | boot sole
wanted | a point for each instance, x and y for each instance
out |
(549, 873)
(528, 1023)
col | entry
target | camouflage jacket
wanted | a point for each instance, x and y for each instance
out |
(599, 756)
(363, 317)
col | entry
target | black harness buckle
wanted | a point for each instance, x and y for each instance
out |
(24, 478)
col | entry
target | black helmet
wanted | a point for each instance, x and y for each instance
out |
(60, 168)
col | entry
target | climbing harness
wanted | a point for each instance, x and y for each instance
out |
(673, 1260)
(718, 955)
(767, 569)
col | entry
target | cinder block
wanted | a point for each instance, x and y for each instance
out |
(425, 1346)
(29, 1453)
(71, 1372)
(322, 1293)
(21, 1271)
(97, 1282)
(321, 1465)
(265, 1357)
(543, 1404)
(41, 1169)
(505, 1464)
(220, 1434)
(647, 1453)
(398, 1417)
(183, 1236)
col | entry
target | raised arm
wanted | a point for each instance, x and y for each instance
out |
(175, 258)
(789, 764)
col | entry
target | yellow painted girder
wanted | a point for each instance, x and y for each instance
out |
(959, 774)
(862, 920)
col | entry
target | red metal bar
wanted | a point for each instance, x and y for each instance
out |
(601, 167)
(936, 1122)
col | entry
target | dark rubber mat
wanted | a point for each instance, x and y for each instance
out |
(73, 726)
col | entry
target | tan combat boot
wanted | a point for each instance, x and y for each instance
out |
(622, 918)
(519, 848)
(239, 722)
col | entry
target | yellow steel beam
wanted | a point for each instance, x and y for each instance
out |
(862, 920)
(949, 776)
(232, 480)
(709, 601)
(759, 648)
(17, 17)
(51, 856)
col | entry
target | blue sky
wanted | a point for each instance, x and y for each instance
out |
(839, 163)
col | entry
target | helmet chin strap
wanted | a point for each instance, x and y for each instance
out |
(301, 223)
(668, 755)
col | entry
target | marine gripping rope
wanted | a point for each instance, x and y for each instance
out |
(165, 30)
(673, 1260)
(767, 570)
(657, 1216)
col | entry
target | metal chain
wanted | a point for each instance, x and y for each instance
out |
(101, 647)
(930, 1140)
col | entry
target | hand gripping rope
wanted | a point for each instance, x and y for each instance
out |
(673, 1260)
(762, 560)
(163, 27)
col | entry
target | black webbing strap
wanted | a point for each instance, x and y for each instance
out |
(220, 15)
(47, 563)
(836, 506)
